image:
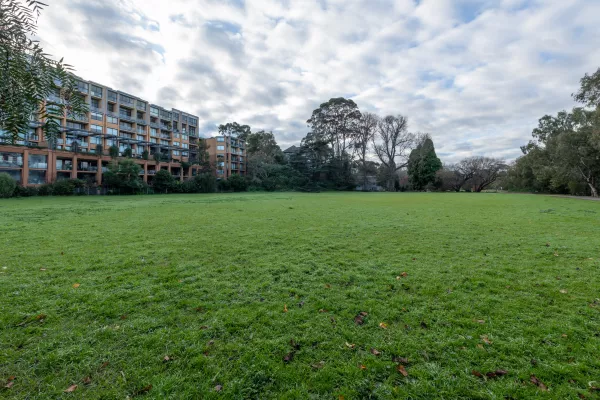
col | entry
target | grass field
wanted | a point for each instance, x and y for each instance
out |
(185, 296)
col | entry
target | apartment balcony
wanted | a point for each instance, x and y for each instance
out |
(154, 125)
(151, 172)
(87, 168)
(126, 128)
(126, 117)
(64, 165)
(77, 117)
(95, 109)
(97, 94)
(112, 98)
(165, 127)
(141, 121)
(55, 99)
(127, 103)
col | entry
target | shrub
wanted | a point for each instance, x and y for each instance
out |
(67, 187)
(7, 185)
(127, 152)
(113, 152)
(238, 183)
(99, 149)
(206, 183)
(163, 181)
(45, 190)
(145, 154)
(25, 191)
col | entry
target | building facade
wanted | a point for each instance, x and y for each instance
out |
(228, 155)
(156, 137)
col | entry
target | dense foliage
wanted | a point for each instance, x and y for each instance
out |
(564, 154)
(7, 185)
(33, 86)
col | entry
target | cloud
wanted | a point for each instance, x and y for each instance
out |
(475, 74)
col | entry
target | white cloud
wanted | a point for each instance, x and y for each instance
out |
(475, 74)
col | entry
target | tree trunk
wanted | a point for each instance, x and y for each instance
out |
(593, 189)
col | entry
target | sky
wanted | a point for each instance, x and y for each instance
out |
(474, 74)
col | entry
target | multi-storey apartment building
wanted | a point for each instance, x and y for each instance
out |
(228, 155)
(116, 119)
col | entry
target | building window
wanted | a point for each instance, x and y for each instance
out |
(220, 172)
(126, 99)
(153, 131)
(154, 111)
(139, 137)
(96, 128)
(11, 159)
(38, 161)
(175, 152)
(110, 107)
(36, 177)
(220, 139)
(141, 105)
(176, 144)
(96, 91)
(95, 103)
(111, 142)
(185, 146)
(112, 96)
(192, 131)
(83, 87)
(96, 140)
(111, 120)
(221, 148)
(96, 116)
(112, 131)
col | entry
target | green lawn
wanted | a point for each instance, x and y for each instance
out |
(493, 282)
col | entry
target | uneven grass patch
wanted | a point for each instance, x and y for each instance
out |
(493, 282)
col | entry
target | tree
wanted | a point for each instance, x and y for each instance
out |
(124, 176)
(336, 122)
(128, 153)
(234, 129)
(29, 76)
(485, 172)
(423, 164)
(455, 176)
(145, 155)
(75, 146)
(157, 157)
(163, 181)
(237, 183)
(262, 151)
(392, 144)
(366, 129)
(206, 183)
(113, 152)
(589, 93)
(99, 149)
(7, 185)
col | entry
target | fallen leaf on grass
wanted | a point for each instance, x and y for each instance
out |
(402, 370)
(87, 380)
(563, 291)
(360, 318)
(486, 340)
(42, 269)
(375, 352)
(70, 389)
(124, 316)
(400, 360)
(318, 365)
(480, 346)
(350, 345)
(10, 382)
(480, 321)
(322, 310)
(104, 364)
(563, 335)
(288, 357)
(76, 285)
(167, 359)
(328, 286)
(363, 367)
(477, 374)
(402, 275)
(218, 388)
(285, 308)
(340, 397)
(580, 396)
(383, 325)
(143, 390)
(538, 383)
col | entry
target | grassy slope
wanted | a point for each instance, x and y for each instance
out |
(145, 264)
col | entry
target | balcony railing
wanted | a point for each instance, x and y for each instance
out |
(112, 98)
(126, 117)
(90, 168)
(126, 128)
(141, 121)
(154, 125)
(165, 127)
(96, 93)
(78, 117)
